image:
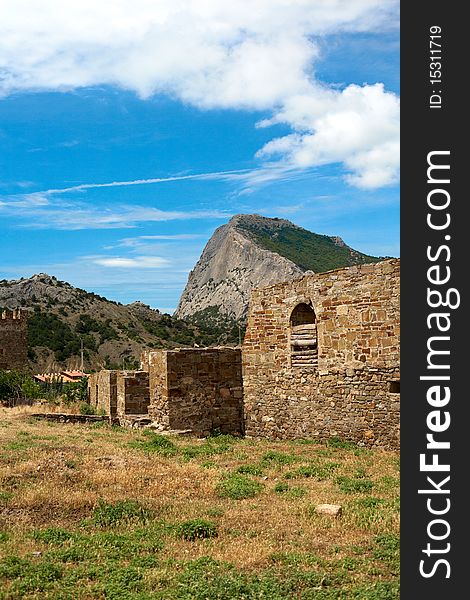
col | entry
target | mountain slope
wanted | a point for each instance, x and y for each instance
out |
(62, 318)
(253, 251)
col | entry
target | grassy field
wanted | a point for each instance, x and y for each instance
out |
(99, 512)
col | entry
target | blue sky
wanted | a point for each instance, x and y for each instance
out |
(124, 147)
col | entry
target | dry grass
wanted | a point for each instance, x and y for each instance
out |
(56, 475)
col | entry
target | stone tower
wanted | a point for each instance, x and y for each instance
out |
(13, 339)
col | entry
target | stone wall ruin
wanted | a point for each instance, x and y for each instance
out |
(13, 339)
(198, 389)
(119, 393)
(321, 357)
(102, 392)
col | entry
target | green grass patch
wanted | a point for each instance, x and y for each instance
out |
(374, 513)
(195, 529)
(349, 485)
(370, 502)
(319, 471)
(4, 537)
(255, 470)
(238, 487)
(216, 511)
(208, 579)
(337, 442)
(213, 445)
(290, 492)
(5, 497)
(120, 582)
(52, 535)
(110, 515)
(18, 445)
(155, 444)
(387, 549)
(278, 458)
(281, 487)
(388, 483)
(305, 442)
(103, 546)
(296, 559)
(113, 545)
(296, 492)
(28, 576)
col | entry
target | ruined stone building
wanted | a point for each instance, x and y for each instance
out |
(191, 388)
(320, 359)
(13, 339)
(198, 389)
(119, 393)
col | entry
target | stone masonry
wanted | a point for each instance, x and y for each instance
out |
(321, 357)
(198, 389)
(133, 393)
(119, 393)
(102, 391)
(13, 339)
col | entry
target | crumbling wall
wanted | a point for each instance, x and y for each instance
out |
(198, 389)
(349, 389)
(13, 339)
(102, 392)
(133, 394)
(159, 407)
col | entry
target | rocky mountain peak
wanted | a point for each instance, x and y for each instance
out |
(253, 251)
(256, 220)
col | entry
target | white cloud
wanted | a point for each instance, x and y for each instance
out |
(138, 262)
(227, 175)
(358, 126)
(212, 54)
(148, 240)
(38, 211)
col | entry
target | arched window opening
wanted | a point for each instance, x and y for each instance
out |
(303, 337)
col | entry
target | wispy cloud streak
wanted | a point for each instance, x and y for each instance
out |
(224, 175)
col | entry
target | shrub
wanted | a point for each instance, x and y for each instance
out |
(75, 391)
(238, 487)
(15, 384)
(86, 409)
(196, 529)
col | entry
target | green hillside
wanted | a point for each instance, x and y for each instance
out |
(310, 251)
(65, 321)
